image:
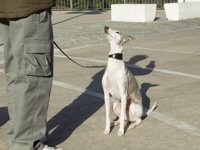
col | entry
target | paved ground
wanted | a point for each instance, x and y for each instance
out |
(165, 60)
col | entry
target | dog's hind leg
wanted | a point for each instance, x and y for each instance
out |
(135, 114)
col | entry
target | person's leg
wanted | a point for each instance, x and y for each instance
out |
(5, 28)
(29, 73)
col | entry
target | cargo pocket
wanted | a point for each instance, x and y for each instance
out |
(38, 58)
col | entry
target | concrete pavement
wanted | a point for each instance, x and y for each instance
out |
(165, 60)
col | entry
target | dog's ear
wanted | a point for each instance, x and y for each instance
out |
(126, 39)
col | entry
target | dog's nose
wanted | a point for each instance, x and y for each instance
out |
(106, 29)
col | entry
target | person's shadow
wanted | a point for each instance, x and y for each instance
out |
(4, 117)
(65, 122)
(73, 115)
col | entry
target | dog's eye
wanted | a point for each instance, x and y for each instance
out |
(117, 32)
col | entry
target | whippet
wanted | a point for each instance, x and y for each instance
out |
(120, 83)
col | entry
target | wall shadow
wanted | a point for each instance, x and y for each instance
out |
(91, 12)
(4, 117)
(79, 14)
(65, 122)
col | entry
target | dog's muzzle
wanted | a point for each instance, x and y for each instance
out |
(106, 28)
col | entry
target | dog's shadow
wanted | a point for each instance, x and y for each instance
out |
(65, 122)
(138, 71)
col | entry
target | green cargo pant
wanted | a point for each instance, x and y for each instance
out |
(28, 51)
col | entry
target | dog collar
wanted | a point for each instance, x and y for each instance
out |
(117, 56)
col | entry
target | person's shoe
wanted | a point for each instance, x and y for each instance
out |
(50, 148)
(41, 146)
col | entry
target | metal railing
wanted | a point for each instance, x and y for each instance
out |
(103, 4)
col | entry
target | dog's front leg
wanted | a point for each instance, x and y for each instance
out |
(107, 107)
(122, 115)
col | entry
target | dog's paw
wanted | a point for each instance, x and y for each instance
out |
(120, 133)
(106, 132)
(131, 126)
(116, 123)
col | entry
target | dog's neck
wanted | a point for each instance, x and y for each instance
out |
(115, 48)
(116, 52)
(118, 56)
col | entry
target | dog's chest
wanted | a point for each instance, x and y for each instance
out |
(114, 90)
(115, 74)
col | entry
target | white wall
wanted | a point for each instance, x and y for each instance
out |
(180, 1)
(133, 12)
(180, 11)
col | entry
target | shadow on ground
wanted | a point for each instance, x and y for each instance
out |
(65, 122)
(140, 71)
(4, 117)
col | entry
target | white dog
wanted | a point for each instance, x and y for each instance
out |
(120, 83)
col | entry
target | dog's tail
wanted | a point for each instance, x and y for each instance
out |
(150, 110)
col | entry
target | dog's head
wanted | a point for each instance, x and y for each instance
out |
(115, 37)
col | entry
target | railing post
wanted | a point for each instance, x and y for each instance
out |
(71, 4)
